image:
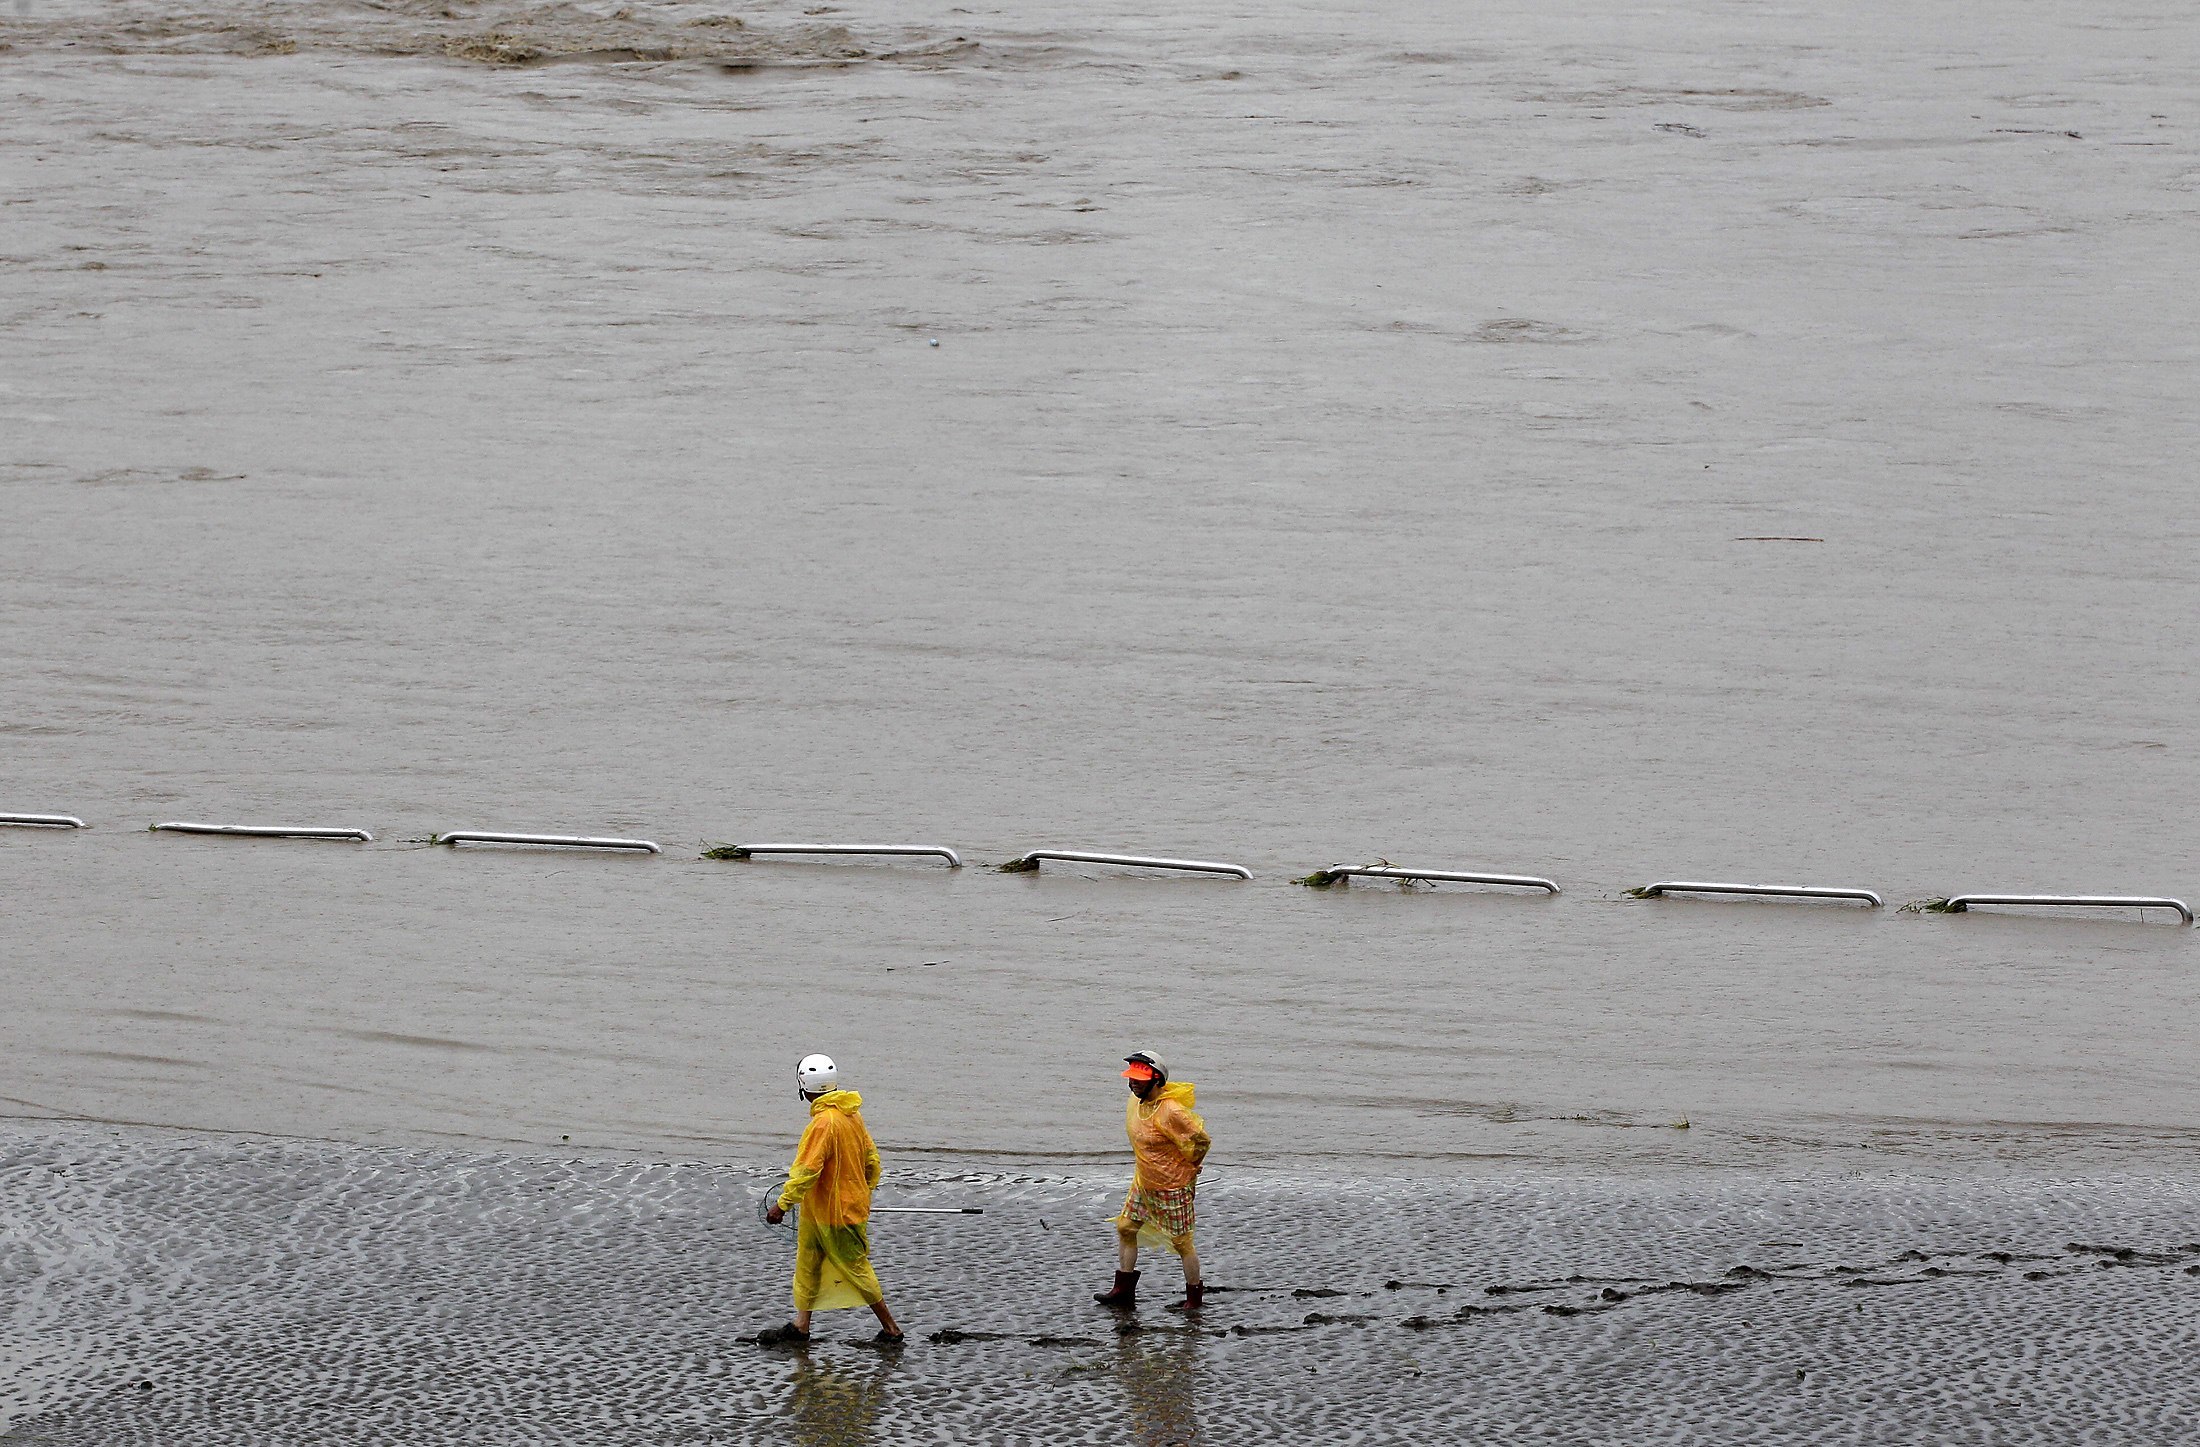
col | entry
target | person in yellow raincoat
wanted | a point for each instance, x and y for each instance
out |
(835, 1169)
(1168, 1144)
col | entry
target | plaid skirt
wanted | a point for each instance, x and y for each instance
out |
(1161, 1218)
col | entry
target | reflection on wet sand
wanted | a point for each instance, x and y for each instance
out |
(1159, 1373)
(836, 1404)
(353, 1297)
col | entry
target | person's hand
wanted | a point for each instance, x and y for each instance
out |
(776, 1214)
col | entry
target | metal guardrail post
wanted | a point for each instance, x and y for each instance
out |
(1028, 863)
(44, 821)
(567, 841)
(259, 831)
(1783, 891)
(1346, 873)
(1960, 903)
(750, 851)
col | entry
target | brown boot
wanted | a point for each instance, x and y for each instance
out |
(1125, 1293)
(1195, 1293)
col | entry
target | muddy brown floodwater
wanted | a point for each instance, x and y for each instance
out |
(1715, 441)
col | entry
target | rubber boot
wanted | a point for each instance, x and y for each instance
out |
(1125, 1292)
(1195, 1294)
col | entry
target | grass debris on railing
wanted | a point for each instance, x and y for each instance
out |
(1324, 878)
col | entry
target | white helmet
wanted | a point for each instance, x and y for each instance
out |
(816, 1074)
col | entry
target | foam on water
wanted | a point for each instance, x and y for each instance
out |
(170, 1288)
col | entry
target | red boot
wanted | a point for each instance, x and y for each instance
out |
(1195, 1294)
(1125, 1293)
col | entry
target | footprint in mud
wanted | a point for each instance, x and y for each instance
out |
(1914, 1267)
(2131, 1255)
(1460, 1317)
(1907, 1268)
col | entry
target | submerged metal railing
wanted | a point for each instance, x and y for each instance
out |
(1026, 863)
(1346, 873)
(750, 851)
(566, 841)
(263, 831)
(1958, 904)
(1335, 874)
(1783, 891)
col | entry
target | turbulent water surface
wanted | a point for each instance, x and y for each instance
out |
(1728, 441)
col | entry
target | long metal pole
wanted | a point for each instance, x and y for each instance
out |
(930, 1210)
(263, 831)
(933, 851)
(1961, 903)
(1780, 891)
(1340, 873)
(568, 841)
(1026, 863)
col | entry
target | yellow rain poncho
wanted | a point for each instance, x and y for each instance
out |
(834, 1171)
(1168, 1142)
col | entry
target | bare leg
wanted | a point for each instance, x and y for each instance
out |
(885, 1317)
(802, 1322)
(1190, 1255)
(1126, 1248)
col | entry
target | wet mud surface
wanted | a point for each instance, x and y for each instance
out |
(177, 1289)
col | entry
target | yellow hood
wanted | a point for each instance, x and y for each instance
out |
(1179, 1091)
(847, 1100)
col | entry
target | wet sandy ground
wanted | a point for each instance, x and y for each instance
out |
(170, 1288)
